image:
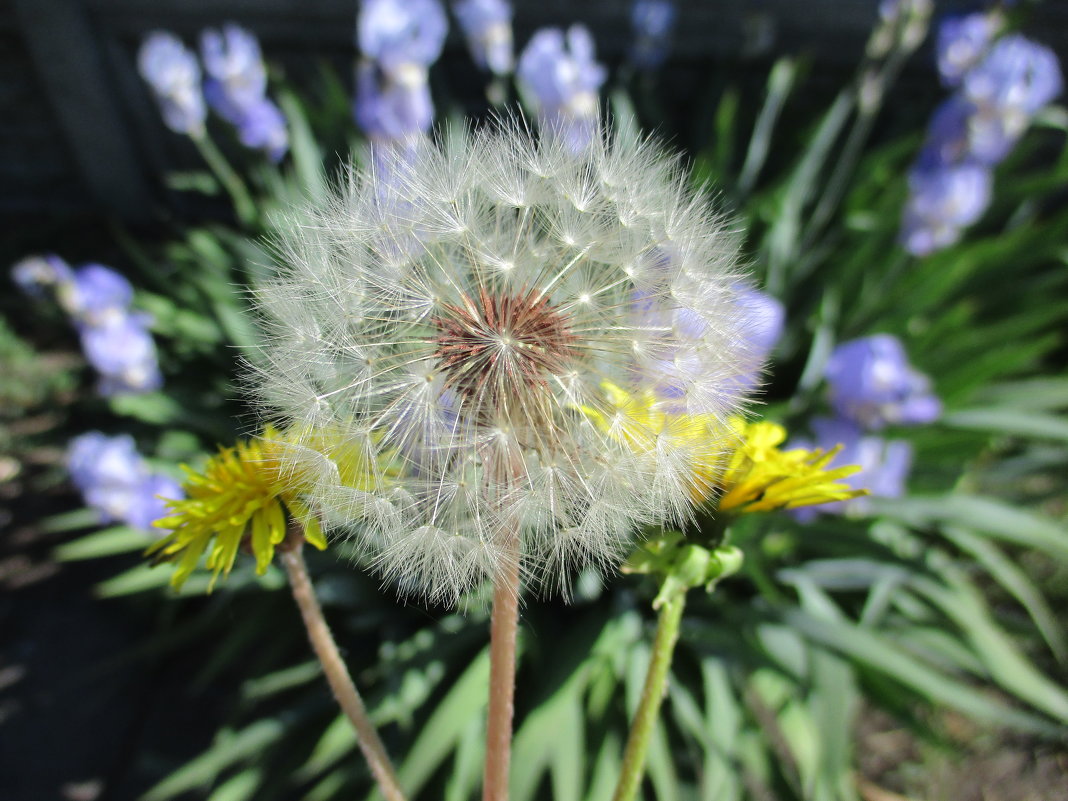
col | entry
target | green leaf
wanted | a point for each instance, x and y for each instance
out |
(154, 408)
(237, 325)
(410, 689)
(307, 158)
(1007, 665)
(70, 521)
(142, 578)
(1016, 582)
(1005, 522)
(467, 766)
(568, 755)
(329, 787)
(781, 242)
(723, 146)
(228, 749)
(624, 117)
(192, 181)
(337, 740)
(110, 541)
(606, 769)
(281, 680)
(833, 699)
(886, 656)
(209, 251)
(242, 787)
(723, 722)
(1010, 421)
(446, 726)
(1039, 394)
(780, 83)
(550, 729)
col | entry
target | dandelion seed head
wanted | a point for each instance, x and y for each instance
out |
(464, 328)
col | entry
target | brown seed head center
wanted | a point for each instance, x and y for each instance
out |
(496, 348)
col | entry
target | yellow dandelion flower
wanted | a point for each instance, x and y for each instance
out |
(242, 496)
(761, 477)
(642, 422)
(744, 465)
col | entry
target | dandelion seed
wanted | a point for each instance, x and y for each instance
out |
(471, 335)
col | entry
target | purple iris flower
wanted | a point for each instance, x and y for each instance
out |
(116, 341)
(34, 274)
(884, 465)
(398, 33)
(652, 21)
(98, 293)
(122, 350)
(1018, 78)
(962, 41)
(764, 320)
(236, 88)
(236, 75)
(667, 369)
(174, 75)
(487, 25)
(983, 122)
(263, 127)
(948, 134)
(150, 502)
(560, 79)
(942, 202)
(765, 317)
(873, 384)
(115, 480)
(960, 132)
(1002, 86)
(393, 108)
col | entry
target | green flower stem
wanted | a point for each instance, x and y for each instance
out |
(504, 623)
(231, 181)
(337, 675)
(641, 730)
(498, 93)
(870, 91)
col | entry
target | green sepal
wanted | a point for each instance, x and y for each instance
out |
(682, 565)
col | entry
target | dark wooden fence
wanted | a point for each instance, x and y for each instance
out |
(79, 132)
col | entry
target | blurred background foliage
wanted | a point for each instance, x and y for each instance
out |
(858, 653)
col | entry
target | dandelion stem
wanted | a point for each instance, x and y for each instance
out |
(235, 187)
(503, 625)
(641, 729)
(337, 675)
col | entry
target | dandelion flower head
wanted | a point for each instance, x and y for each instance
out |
(468, 325)
(241, 497)
(761, 476)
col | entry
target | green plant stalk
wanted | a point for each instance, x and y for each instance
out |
(337, 675)
(235, 187)
(653, 691)
(849, 156)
